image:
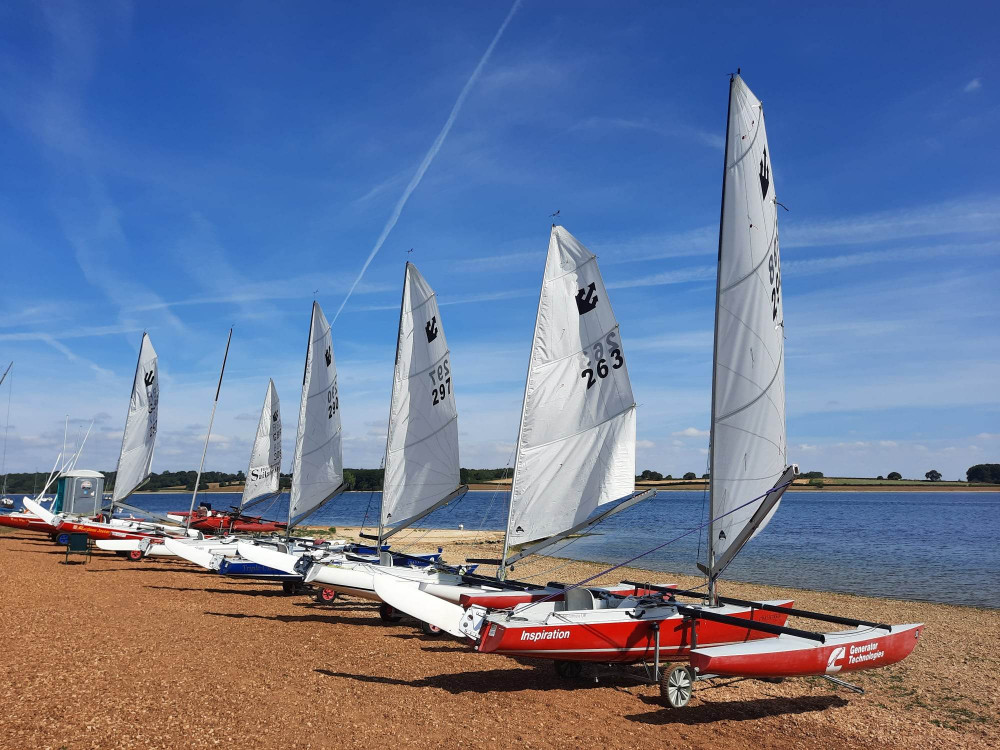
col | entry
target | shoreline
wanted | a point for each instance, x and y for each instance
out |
(682, 487)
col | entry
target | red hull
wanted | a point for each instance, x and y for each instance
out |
(97, 530)
(795, 657)
(623, 641)
(225, 522)
(27, 522)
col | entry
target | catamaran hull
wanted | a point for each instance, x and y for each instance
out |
(620, 640)
(26, 522)
(791, 656)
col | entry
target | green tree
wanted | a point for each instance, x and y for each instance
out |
(813, 475)
(690, 475)
(989, 473)
(894, 475)
(650, 476)
(934, 475)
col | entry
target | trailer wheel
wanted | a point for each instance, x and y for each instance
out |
(134, 555)
(291, 587)
(325, 596)
(676, 687)
(61, 539)
(568, 670)
(387, 613)
(431, 630)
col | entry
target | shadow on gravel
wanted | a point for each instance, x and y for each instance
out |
(479, 681)
(136, 566)
(251, 592)
(327, 619)
(707, 713)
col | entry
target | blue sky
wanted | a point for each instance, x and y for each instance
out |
(185, 167)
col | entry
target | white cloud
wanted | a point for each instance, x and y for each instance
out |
(988, 435)
(691, 432)
(645, 444)
(974, 85)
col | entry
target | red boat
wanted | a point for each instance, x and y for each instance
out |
(624, 634)
(27, 521)
(791, 656)
(216, 522)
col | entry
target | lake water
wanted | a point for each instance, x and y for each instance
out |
(930, 546)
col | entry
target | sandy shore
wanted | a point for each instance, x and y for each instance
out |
(113, 654)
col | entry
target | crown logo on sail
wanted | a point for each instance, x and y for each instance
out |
(431, 329)
(148, 378)
(586, 298)
(274, 417)
(329, 356)
(765, 175)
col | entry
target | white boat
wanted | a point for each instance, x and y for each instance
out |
(576, 438)
(421, 458)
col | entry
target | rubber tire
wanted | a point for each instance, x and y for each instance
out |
(568, 670)
(431, 630)
(133, 555)
(326, 596)
(676, 687)
(387, 614)
(290, 588)
(61, 539)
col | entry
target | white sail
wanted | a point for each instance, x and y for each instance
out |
(576, 445)
(421, 461)
(264, 471)
(748, 409)
(140, 424)
(318, 464)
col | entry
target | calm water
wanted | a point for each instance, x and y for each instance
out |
(911, 545)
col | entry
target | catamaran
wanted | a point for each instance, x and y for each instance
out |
(749, 473)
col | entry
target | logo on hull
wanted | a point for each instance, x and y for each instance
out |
(544, 635)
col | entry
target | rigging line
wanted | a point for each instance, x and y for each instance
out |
(430, 155)
(6, 429)
(372, 494)
(658, 547)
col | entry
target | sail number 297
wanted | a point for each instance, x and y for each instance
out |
(774, 270)
(613, 361)
(332, 401)
(440, 382)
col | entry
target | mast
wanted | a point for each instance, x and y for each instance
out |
(208, 434)
(502, 568)
(712, 595)
(302, 416)
(6, 426)
(392, 400)
(135, 382)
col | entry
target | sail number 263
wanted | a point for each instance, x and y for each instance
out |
(614, 350)
(440, 382)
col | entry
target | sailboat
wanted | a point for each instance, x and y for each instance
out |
(575, 449)
(262, 478)
(79, 491)
(421, 458)
(749, 473)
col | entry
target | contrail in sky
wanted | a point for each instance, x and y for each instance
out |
(431, 153)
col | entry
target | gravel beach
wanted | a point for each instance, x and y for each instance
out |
(159, 654)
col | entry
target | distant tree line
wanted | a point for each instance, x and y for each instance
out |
(989, 473)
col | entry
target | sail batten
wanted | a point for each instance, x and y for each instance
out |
(576, 441)
(318, 463)
(748, 443)
(139, 436)
(264, 471)
(421, 459)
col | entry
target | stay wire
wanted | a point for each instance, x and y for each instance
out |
(657, 547)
